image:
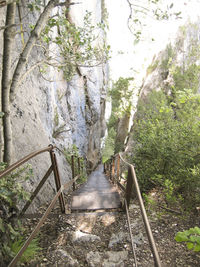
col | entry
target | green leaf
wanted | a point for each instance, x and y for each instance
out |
(197, 248)
(197, 230)
(2, 228)
(181, 237)
(190, 245)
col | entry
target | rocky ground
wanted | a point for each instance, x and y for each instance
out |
(102, 239)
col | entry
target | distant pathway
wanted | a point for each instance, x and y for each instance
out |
(96, 193)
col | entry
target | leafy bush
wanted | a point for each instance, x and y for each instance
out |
(71, 151)
(121, 95)
(152, 67)
(109, 147)
(32, 250)
(166, 147)
(78, 46)
(11, 230)
(191, 237)
(188, 78)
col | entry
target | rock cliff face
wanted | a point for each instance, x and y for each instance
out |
(179, 58)
(178, 66)
(58, 112)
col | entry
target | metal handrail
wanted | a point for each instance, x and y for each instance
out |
(59, 195)
(132, 179)
(42, 220)
(144, 214)
(24, 160)
(130, 232)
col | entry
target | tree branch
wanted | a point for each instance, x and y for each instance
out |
(30, 69)
(29, 45)
(5, 82)
(7, 2)
(8, 26)
(67, 3)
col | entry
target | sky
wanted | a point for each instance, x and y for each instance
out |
(130, 60)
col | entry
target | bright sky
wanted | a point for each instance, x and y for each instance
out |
(138, 57)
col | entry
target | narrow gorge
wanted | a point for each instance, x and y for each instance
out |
(112, 173)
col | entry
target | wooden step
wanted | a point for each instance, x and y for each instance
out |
(97, 193)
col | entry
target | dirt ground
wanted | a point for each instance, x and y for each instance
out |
(58, 229)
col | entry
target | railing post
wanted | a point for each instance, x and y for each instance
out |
(57, 179)
(110, 169)
(73, 171)
(113, 169)
(118, 167)
(34, 194)
(129, 186)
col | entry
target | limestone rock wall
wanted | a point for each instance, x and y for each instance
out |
(171, 67)
(58, 112)
(183, 53)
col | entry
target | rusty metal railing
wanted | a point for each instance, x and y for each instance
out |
(112, 167)
(59, 195)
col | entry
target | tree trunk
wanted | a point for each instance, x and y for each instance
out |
(6, 80)
(28, 47)
(122, 132)
(10, 84)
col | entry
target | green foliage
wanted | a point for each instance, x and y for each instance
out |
(73, 151)
(152, 67)
(191, 237)
(168, 189)
(166, 147)
(109, 147)
(78, 46)
(30, 253)
(83, 178)
(121, 95)
(149, 201)
(35, 5)
(140, 13)
(188, 78)
(59, 130)
(11, 194)
(168, 58)
(11, 190)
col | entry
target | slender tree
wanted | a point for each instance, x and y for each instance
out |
(10, 84)
(70, 37)
(6, 81)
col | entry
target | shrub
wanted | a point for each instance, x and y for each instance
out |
(11, 230)
(191, 237)
(166, 150)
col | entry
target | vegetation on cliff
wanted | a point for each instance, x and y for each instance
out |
(166, 126)
(118, 124)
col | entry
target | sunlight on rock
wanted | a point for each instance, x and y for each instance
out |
(86, 223)
(108, 219)
(79, 236)
(61, 239)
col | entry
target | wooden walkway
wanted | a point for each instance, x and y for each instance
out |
(97, 193)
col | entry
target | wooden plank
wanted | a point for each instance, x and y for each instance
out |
(96, 193)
